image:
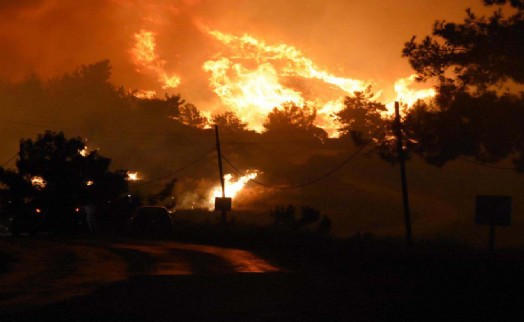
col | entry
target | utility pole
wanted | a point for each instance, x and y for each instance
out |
(402, 159)
(221, 172)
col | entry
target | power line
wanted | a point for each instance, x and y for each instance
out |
(148, 136)
(488, 165)
(327, 174)
(177, 170)
(10, 159)
(41, 125)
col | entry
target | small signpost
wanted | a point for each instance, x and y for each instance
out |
(222, 204)
(493, 211)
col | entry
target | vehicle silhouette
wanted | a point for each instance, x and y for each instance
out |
(151, 222)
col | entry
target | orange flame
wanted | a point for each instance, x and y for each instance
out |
(145, 58)
(148, 94)
(408, 96)
(251, 78)
(253, 91)
(232, 186)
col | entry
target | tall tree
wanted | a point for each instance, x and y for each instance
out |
(58, 175)
(190, 115)
(361, 117)
(169, 106)
(293, 120)
(229, 121)
(478, 67)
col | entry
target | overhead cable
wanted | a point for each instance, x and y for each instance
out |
(325, 175)
(10, 159)
(195, 161)
(488, 165)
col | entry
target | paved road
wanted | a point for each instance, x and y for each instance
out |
(96, 280)
(44, 271)
(122, 280)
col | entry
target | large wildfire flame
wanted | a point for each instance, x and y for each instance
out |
(251, 78)
(256, 77)
(146, 60)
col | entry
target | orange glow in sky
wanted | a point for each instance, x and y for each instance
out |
(242, 56)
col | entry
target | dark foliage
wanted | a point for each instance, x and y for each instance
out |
(170, 105)
(190, 115)
(293, 120)
(361, 116)
(310, 219)
(229, 122)
(70, 178)
(363, 121)
(473, 114)
(164, 194)
(479, 52)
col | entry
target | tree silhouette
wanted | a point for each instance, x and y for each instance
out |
(165, 193)
(480, 52)
(58, 175)
(476, 113)
(309, 215)
(294, 120)
(514, 3)
(285, 218)
(190, 115)
(361, 117)
(229, 121)
(169, 106)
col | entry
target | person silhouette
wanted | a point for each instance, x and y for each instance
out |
(90, 211)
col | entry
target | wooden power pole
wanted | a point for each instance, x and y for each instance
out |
(221, 173)
(402, 159)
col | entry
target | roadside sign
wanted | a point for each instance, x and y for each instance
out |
(493, 210)
(222, 204)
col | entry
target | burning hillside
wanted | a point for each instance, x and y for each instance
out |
(251, 78)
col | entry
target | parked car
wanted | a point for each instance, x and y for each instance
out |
(151, 222)
(29, 220)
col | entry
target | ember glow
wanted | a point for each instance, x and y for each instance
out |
(84, 152)
(145, 94)
(133, 176)
(38, 182)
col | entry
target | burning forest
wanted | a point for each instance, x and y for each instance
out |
(304, 113)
